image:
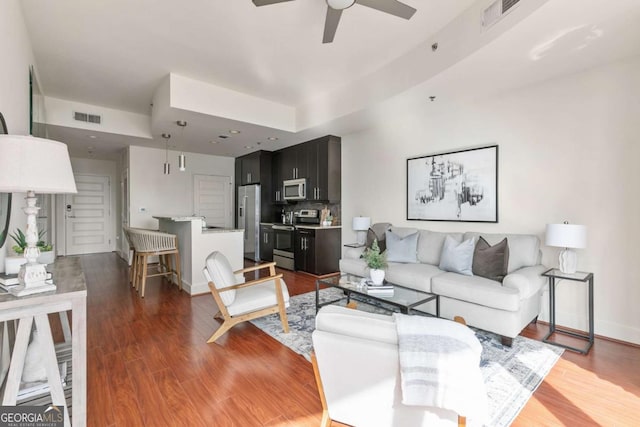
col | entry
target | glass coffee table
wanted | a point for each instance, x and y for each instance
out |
(403, 299)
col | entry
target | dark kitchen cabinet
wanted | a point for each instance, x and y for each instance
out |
(294, 162)
(317, 250)
(324, 169)
(266, 243)
(277, 177)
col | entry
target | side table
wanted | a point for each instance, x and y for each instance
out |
(579, 276)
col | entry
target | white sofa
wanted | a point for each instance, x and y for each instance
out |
(358, 363)
(503, 308)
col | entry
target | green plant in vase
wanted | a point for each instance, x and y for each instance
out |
(21, 242)
(376, 262)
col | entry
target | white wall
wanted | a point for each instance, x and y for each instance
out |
(160, 194)
(17, 56)
(568, 151)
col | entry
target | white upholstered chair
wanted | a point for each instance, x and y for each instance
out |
(237, 301)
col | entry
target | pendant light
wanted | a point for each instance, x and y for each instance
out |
(167, 166)
(182, 160)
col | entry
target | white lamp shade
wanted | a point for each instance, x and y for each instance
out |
(566, 235)
(35, 164)
(361, 223)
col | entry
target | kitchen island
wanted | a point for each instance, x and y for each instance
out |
(196, 243)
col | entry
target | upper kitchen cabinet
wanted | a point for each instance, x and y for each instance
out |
(324, 169)
(254, 168)
(294, 162)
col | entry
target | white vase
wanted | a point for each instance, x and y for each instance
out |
(47, 257)
(377, 276)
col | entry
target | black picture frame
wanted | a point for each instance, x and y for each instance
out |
(5, 198)
(459, 186)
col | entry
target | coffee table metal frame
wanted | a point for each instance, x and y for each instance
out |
(405, 301)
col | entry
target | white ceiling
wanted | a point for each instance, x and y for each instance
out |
(115, 54)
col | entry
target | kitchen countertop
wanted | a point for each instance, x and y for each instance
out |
(220, 230)
(178, 218)
(307, 226)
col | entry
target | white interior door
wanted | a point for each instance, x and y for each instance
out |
(212, 199)
(88, 216)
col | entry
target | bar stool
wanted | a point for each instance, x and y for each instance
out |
(132, 249)
(148, 243)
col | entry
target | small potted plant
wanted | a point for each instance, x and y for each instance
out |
(376, 262)
(47, 255)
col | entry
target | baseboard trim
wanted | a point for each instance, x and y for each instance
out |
(600, 337)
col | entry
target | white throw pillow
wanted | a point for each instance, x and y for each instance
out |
(402, 249)
(457, 257)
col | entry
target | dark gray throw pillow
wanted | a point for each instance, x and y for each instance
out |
(489, 261)
(377, 231)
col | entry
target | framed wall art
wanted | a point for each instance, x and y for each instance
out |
(455, 186)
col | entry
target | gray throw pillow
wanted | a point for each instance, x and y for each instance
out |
(402, 249)
(489, 261)
(457, 257)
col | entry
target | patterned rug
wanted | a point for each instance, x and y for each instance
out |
(511, 374)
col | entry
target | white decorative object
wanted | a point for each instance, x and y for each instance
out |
(47, 257)
(377, 276)
(34, 165)
(567, 236)
(360, 225)
(12, 264)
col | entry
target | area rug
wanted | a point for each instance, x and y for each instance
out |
(511, 374)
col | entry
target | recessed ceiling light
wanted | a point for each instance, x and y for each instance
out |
(272, 138)
(214, 142)
(92, 136)
(248, 146)
(233, 131)
(223, 136)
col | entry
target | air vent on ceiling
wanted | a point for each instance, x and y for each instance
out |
(85, 117)
(496, 10)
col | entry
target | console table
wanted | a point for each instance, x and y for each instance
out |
(70, 295)
(579, 276)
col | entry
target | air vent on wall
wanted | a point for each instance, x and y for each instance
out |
(496, 10)
(85, 117)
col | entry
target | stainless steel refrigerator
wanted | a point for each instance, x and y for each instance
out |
(249, 219)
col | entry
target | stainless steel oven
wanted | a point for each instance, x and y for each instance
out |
(283, 236)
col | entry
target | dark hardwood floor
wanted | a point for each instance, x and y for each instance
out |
(149, 365)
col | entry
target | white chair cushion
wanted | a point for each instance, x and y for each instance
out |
(256, 297)
(357, 324)
(221, 274)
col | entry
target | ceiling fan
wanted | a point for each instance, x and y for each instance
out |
(335, 8)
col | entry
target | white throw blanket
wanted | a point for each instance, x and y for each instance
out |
(440, 366)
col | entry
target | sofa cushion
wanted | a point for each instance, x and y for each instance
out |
(414, 276)
(402, 249)
(377, 231)
(524, 249)
(457, 257)
(357, 267)
(476, 290)
(489, 261)
(430, 245)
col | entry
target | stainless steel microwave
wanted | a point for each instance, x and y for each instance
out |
(295, 189)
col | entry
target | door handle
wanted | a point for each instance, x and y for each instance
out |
(71, 216)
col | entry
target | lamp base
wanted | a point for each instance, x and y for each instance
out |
(32, 279)
(568, 261)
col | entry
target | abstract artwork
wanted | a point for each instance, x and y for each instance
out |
(455, 186)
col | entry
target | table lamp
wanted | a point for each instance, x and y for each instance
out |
(567, 236)
(34, 165)
(361, 224)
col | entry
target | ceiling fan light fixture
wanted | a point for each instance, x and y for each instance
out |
(340, 4)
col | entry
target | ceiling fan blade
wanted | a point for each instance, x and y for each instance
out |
(393, 7)
(331, 24)
(268, 2)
